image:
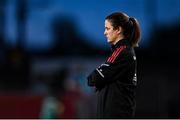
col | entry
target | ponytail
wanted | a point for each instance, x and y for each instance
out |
(134, 36)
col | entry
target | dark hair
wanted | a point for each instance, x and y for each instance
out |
(130, 26)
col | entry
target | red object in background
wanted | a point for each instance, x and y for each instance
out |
(69, 100)
(23, 106)
(20, 106)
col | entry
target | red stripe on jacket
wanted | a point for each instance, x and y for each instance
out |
(115, 54)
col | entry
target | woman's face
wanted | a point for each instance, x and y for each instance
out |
(111, 34)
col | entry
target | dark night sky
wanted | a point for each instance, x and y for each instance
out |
(88, 15)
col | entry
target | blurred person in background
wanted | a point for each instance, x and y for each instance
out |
(115, 80)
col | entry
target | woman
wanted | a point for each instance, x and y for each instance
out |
(116, 80)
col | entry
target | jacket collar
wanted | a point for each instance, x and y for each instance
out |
(121, 42)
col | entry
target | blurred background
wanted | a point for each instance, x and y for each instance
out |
(48, 47)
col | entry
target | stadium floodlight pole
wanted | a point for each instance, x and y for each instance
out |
(2, 21)
(21, 22)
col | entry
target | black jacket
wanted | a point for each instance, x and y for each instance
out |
(115, 81)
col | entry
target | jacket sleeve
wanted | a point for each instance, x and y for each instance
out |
(107, 72)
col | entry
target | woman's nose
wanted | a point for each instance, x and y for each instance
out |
(104, 32)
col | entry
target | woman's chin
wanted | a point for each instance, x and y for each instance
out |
(109, 41)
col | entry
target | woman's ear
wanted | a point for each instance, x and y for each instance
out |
(119, 30)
